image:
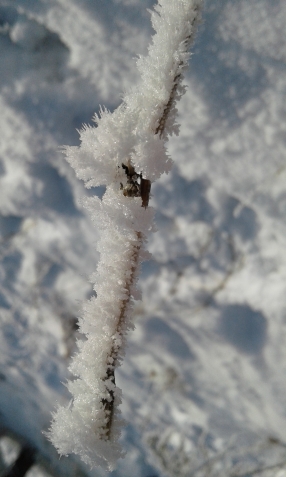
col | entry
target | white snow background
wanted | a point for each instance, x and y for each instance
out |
(204, 385)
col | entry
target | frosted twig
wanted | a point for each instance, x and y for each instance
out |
(109, 405)
(126, 153)
(178, 77)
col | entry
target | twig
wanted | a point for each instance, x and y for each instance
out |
(113, 356)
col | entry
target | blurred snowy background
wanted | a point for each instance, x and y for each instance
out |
(204, 383)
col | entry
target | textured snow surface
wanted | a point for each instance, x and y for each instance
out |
(204, 375)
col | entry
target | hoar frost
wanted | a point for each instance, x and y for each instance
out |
(126, 152)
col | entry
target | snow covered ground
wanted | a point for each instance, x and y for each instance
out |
(204, 384)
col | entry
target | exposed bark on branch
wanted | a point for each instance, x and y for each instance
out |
(113, 356)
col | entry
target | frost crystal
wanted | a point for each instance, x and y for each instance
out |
(126, 152)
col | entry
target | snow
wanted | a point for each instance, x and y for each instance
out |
(204, 375)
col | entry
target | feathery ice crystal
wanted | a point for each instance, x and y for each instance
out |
(126, 152)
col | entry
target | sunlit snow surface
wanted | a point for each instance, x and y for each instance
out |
(204, 375)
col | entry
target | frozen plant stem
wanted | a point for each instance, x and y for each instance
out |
(145, 186)
(126, 152)
(108, 404)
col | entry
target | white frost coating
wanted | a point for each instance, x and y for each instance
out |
(133, 135)
(129, 132)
